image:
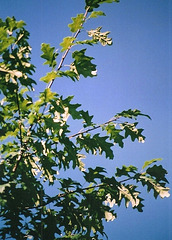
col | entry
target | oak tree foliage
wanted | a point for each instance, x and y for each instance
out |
(36, 142)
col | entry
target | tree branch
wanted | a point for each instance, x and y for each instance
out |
(20, 134)
(94, 128)
(67, 51)
(60, 195)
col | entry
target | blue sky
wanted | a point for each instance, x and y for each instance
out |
(135, 72)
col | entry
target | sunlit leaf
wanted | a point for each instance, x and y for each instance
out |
(67, 42)
(147, 163)
(102, 37)
(77, 23)
(49, 77)
(49, 54)
(96, 14)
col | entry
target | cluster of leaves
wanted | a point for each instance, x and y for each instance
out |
(36, 144)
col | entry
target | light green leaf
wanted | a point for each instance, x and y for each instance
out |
(48, 95)
(13, 24)
(49, 77)
(115, 134)
(67, 42)
(77, 23)
(147, 163)
(49, 54)
(96, 14)
(5, 41)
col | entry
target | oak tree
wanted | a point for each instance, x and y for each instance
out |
(37, 143)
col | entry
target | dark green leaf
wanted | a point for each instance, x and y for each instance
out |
(125, 171)
(158, 172)
(83, 64)
(131, 114)
(95, 3)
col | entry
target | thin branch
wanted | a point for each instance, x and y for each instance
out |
(68, 49)
(60, 195)
(94, 128)
(66, 53)
(20, 36)
(20, 133)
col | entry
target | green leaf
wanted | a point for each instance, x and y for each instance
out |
(104, 146)
(115, 134)
(83, 64)
(158, 172)
(77, 23)
(130, 195)
(5, 40)
(49, 77)
(67, 42)
(12, 24)
(49, 54)
(72, 110)
(147, 163)
(96, 144)
(70, 74)
(89, 42)
(133, 132)
(93, 174)
(96, 14)
(96, 3)
(47, 95)
(87, 118)
(131, 114)
(125, 171)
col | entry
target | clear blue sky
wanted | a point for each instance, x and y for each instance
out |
(135, 72)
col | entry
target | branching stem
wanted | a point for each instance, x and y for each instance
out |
(20, 133)
(68, 49)
(94, 128)
(60, 195)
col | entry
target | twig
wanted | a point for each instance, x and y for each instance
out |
(68, 49)
(66, 53)
(94, 128)
(60, 195)
(20, 134)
